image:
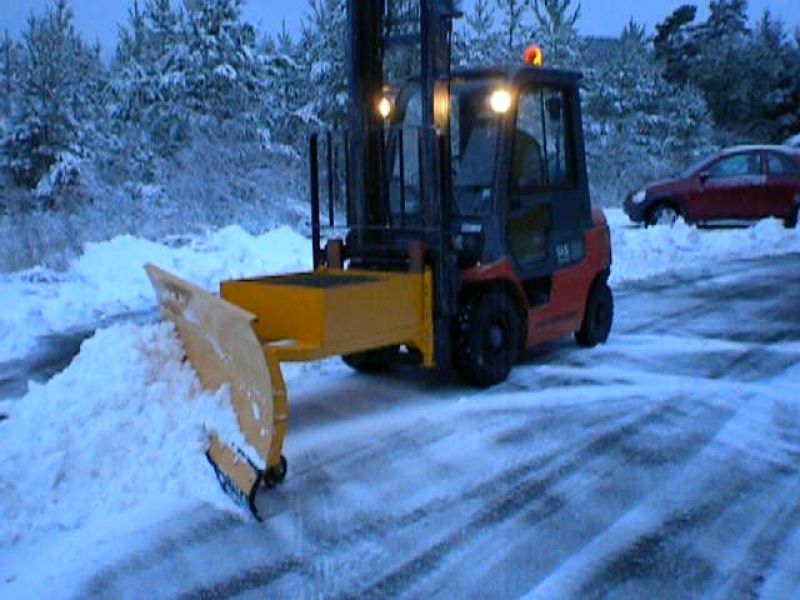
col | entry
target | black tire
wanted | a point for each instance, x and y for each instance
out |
(663, 213)
(371, 361)
(599, 316)
(487, 339)
(792, 221)
(275, 476)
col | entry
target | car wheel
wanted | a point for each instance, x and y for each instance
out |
(663, 214)
(487, 339)
(599, 317)
(794, 220)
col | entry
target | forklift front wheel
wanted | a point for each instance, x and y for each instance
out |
(488, 339)
(599, 316)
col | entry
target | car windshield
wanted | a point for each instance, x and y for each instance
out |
(696, 167)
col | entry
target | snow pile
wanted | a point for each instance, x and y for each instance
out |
(125, 425)
(641, 253)
(109, 279)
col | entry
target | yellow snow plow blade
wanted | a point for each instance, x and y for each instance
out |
(220, 343)
(240, 340)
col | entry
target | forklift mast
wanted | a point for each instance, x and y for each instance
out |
(373, 36)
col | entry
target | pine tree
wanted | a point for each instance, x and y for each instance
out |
(60, 76)
(769, 101)
(675, 44)
(150, 84)
(10, 72)
(476, 40)
(556, 30)
(724, 70)
(639, 126)
(323, 44)
(282, 92)
(511, 18)
(790, 115)
(223, 74)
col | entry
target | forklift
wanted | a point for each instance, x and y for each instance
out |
(467, 236)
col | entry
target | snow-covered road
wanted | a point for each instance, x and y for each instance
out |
(666, 464)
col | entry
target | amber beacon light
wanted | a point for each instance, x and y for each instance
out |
(534, 56)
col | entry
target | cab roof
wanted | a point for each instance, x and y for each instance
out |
(519, 72)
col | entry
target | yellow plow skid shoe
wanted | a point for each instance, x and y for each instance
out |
(221, 344)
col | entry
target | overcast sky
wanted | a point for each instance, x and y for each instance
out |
(98, 19)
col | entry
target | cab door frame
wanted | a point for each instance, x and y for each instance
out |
(567, 207)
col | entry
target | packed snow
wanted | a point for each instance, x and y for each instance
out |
(641, 253)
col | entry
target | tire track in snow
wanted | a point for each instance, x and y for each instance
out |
(514, 480)
(527, 493)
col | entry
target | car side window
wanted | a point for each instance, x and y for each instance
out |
(739, 165)
(782, 165)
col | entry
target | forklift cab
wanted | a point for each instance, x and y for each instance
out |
(476, 177)
(517, 168)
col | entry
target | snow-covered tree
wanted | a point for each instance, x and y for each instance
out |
(10, 73)
(556, 30)
(747, 76)
(323, 44)
(789, 117)
(675, 44)
(724, 69)
(150, 83)
(639, 126)
(60, 80)
(223, 74)
(197, 66)
(281, 92)
(511, 13)
(477, 40)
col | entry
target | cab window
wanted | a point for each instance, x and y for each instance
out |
(541, 151)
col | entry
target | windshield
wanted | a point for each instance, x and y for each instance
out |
(696, 167)
(475, 129)
(474, 135)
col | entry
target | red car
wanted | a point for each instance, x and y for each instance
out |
(740, 184)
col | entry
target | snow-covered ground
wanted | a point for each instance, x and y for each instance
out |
(113, 446)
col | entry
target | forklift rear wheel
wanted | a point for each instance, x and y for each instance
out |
(599, 316)
(371, 361)
(488, 339)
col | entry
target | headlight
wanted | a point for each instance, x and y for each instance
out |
(385, 107)
(639, 197)
(501, 101)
